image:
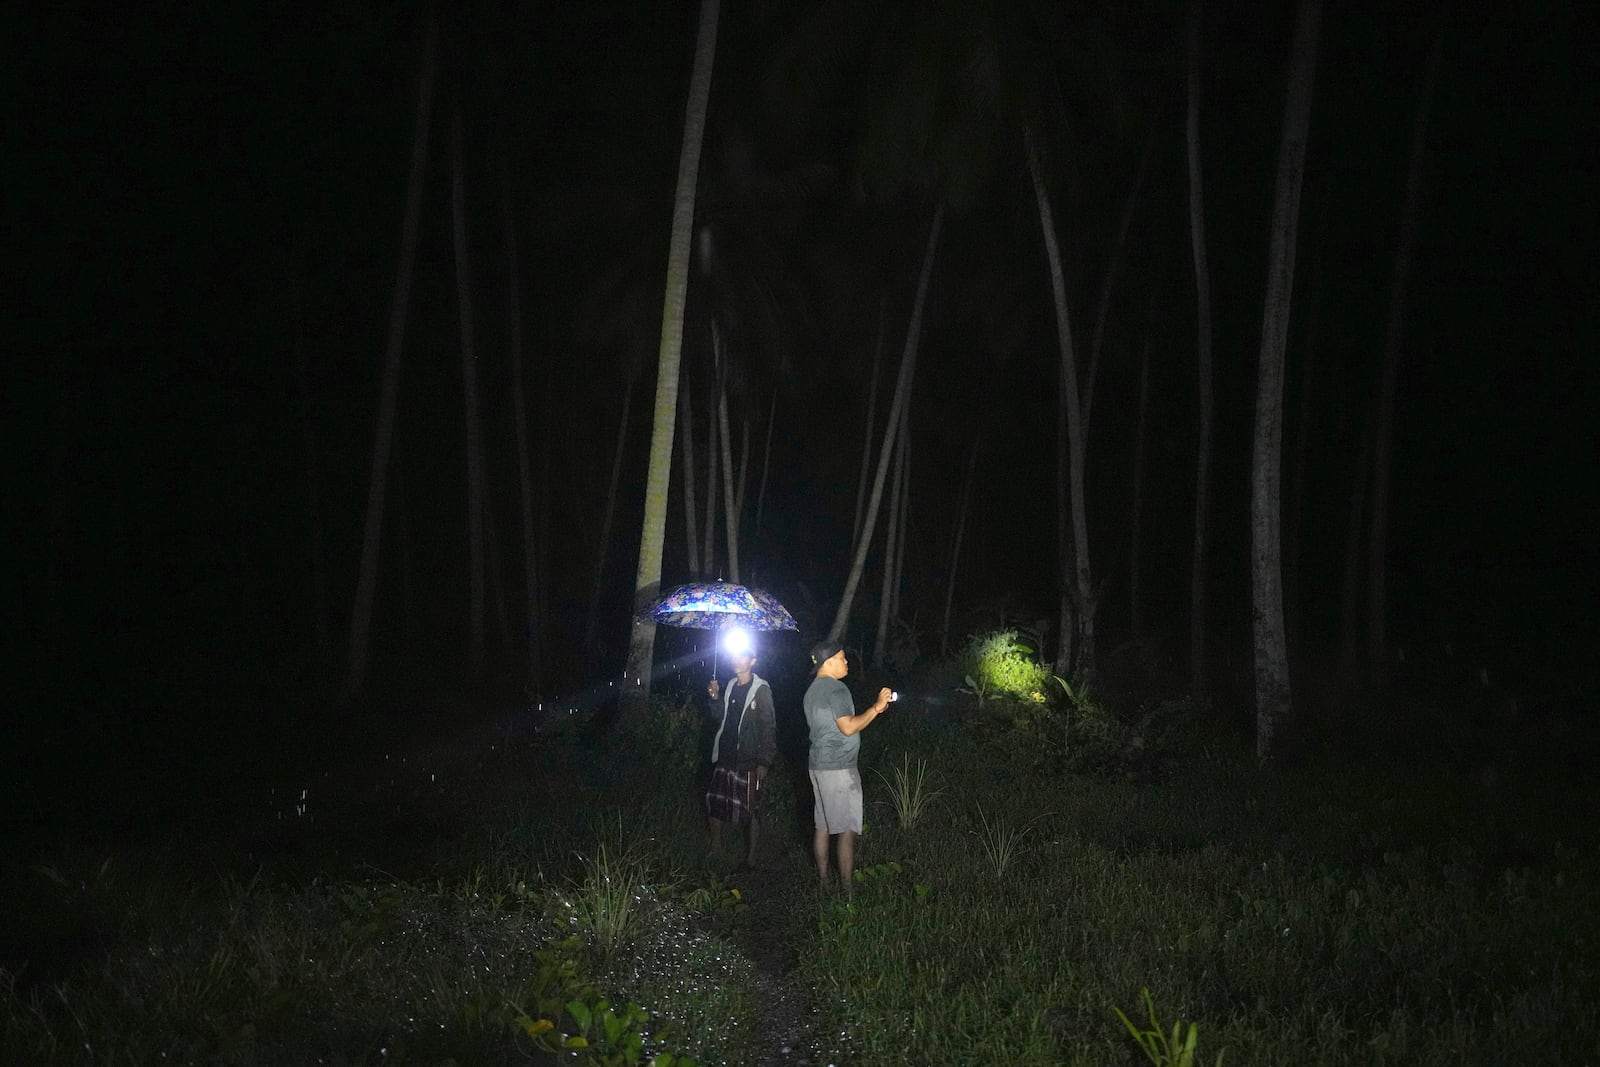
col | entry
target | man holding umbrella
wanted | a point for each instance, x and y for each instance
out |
(744, 748)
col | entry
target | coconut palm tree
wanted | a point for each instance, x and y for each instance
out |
(1378, 536)
(1274, 705)
(647, 580)
(469, 390)
(1199, 556)
(519, 413)
(377, 484)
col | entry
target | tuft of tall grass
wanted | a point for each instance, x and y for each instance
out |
(1003, 843)
(909, 792)
(607, 902)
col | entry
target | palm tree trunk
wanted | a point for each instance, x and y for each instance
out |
(519, 415)
(686, 463)
(866, 441)
(547, 504)
(469, 380)
(408, 570)
(1297, 480)
(1350, 666)
(902, 400)
(1274, 704)
(905, 518)
(744, 467)
(955, 553)
(730, 488)
(1077, 596)
(1103, 311)
(766, 461)
(383, 443)
(891, 546)
(319, 570)
(1136, 516)
(494, 554)
(712, 462)
(647, 583)
(604, 549)
(1200, 551)
(1378, 536)
(744, 477)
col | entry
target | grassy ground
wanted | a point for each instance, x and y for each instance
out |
(507, 899)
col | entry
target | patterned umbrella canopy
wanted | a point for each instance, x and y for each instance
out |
(714, 605)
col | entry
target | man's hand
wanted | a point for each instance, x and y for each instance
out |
(884, 696)
(761, 772)
(714, 689)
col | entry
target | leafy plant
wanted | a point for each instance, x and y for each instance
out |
(909, 792)
(974, 688)
(715, 895)
(1162, 1048)
(999, 665)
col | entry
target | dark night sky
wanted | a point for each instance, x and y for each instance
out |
(184, 187)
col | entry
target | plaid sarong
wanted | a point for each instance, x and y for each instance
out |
(731, 797)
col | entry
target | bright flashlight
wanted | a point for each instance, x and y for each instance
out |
(736, 641)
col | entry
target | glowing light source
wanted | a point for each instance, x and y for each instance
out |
(736, 641)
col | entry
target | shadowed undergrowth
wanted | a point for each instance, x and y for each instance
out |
(544, 898)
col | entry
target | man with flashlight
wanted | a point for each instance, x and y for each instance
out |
(744, 748)
(835, 742)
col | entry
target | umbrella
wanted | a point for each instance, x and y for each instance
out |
(718, 606)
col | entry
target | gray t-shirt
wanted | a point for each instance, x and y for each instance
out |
(825, 701)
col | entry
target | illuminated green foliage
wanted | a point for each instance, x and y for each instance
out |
(998, 666)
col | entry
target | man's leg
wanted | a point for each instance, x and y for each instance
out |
(819, 848)
(847, 858)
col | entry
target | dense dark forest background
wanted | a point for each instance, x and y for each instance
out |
(202, 213)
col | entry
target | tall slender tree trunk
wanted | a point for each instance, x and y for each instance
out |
(902, 400)
(730, 488)
(713, 452)
(1136, 511)
(1102, 314)
(1378, 536)
(1077, 592)
(469, 389)
(744, 468)
(891, 546)
(494, 554)
(1200, 557)
(388, 399)
(686, 463)
(408, 570)
(319, 570)
(766, 462)
(547, 492)
(608, 516)
(872, 413)
(1351, 669)
(519, 416)
(1297, 479)
(905, 518)
(1274, 704)
(647, 583)
(955, 552)
(744, 479)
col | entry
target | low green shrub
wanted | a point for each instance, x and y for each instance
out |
(998, 666)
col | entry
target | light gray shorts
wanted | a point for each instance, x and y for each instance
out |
(838, 794)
